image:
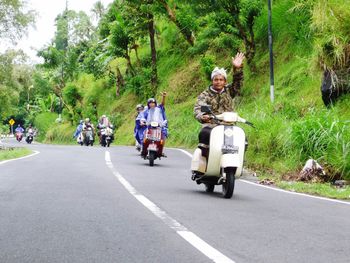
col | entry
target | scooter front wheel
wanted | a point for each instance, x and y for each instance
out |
(229, 185)
(151, 157)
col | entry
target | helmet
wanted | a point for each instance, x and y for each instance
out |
(103, 116)
(150, 100)
(138, 106)
(81, 121)
(87, 120)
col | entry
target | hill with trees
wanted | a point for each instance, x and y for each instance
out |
(143, 47)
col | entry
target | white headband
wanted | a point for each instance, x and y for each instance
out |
(218, 71)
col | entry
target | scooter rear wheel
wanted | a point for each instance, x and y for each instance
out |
(229, 185)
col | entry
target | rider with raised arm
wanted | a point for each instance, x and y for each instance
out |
(155, 113)
(219, 96)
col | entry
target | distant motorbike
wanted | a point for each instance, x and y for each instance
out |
(106, 136)
(153, 143)
(88, 137)
(29, 138)
(226, 153)
(80, 139)
(19, 136)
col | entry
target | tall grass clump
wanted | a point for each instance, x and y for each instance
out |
(331, 24)
(43, 122)
(60, 133)
(326, 138)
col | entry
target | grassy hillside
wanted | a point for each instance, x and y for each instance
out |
(294, 128)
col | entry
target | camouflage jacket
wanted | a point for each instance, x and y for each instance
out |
(219, 102)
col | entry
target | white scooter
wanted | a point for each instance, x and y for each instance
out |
(226, 153)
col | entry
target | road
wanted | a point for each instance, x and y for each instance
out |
(90, 204)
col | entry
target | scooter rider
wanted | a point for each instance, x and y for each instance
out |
(102, 124)
(79, 129)
(139, 127)
(19, 129)
(155, 112)
(87, 124)
(219, 96)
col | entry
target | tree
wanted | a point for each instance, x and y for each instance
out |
(184, 25)
(98, 10)
(14, 79)
(14, 20)
(140, 16)
(235, 17)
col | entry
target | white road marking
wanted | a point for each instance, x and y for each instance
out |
(281, 190)
(181, 230)
(24, 157)
(295, 193)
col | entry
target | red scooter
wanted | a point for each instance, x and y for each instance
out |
(19, 136)
(153, 143)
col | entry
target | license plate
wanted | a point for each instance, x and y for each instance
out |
(152, 147)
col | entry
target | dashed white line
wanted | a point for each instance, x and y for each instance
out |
(281, 190)
(181, 230)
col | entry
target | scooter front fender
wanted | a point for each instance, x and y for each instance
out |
(231, 160)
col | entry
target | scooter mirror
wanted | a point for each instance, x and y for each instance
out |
(206, 109)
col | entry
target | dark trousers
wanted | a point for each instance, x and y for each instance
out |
(204, 139)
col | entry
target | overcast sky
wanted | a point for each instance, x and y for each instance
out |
(45, 22)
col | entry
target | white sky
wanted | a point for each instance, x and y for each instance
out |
(45, 23)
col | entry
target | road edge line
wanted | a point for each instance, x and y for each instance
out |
(282, 190)
(20, 158)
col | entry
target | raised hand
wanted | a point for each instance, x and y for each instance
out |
(237, 61)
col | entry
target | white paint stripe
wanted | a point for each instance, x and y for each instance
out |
(281, 190)
(181, 230)
(201, 245)
(185, 152)
(24, 157)
(295, 193)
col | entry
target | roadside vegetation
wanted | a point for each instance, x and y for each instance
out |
(13, 153)
(141, 48)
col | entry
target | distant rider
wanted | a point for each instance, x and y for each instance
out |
(30, 130)
(103, 123)
(79, 129)
(86, 125)
(219, 96)
(19, 129)
(140, 127)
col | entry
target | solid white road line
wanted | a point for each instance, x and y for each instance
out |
(181, 230)
(295, 193)
(281, 190)
(24, 157)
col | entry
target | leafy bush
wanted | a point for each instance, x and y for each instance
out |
(71, 94)
(208, 64)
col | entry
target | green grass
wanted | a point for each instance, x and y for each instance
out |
(319, 189)
(6, 154)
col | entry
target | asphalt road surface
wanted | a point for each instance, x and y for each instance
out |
(94, 204)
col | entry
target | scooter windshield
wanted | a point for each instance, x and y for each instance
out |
(155, 115)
